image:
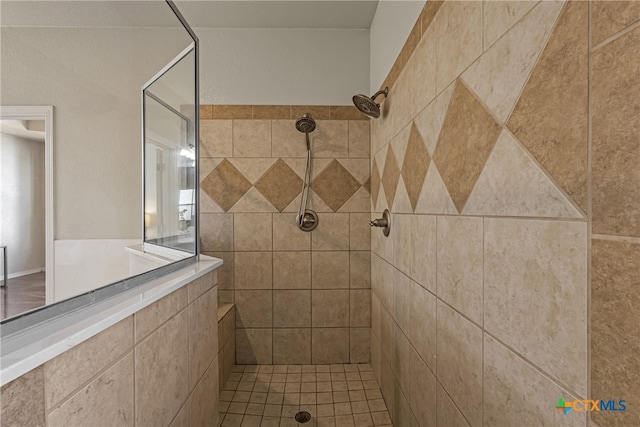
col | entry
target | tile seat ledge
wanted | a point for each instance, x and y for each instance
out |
(28, 349)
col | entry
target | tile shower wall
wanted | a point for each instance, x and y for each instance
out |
(301, 297)
(508, 154)
(157, 367)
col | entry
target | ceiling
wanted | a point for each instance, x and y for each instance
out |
(339, 14)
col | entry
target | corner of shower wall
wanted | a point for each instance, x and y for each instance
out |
(300, 298)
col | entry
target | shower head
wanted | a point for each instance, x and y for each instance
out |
(305, 124)
(368, 105)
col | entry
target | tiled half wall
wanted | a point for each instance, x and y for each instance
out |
(301, 297)
(508, 154)
(157, 367)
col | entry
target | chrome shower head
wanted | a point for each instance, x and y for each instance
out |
(305, 124)
(368, 105)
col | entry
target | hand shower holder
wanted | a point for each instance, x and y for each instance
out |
(384, 222)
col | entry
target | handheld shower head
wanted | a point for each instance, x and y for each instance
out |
(305, 124)
(368, 105)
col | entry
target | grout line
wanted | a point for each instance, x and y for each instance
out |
(611, 238)
(615, 36)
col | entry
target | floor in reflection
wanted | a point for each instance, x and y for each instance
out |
(22, 294)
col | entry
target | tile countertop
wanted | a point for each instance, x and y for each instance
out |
(31, 348)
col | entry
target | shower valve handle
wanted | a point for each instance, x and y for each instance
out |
(383, 222)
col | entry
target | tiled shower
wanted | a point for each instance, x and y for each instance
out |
(507, 154)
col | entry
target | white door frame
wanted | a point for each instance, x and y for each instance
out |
(42, 113)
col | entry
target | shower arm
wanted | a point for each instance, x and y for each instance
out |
(384, 92)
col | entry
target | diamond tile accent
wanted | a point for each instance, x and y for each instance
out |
(415, 165)
(551, 117)
(466, 139)
(280, 185)
(225, 185)
(335, 185)
(390, 176)
(375, 182)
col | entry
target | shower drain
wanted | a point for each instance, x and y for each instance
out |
(303, 417)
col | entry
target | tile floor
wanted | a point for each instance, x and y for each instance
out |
(271, 395)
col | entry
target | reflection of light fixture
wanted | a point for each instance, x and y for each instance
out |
(188, 154)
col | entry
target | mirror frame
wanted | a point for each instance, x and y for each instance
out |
(11, 328)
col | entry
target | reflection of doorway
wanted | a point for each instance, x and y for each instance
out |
(26, 219)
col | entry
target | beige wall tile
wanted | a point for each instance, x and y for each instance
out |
(615, 310)
(216, 138)
(292, 346)
(254, 309)
(459, 361)
(422, 392)
(287, 236)
(506, 374)
(609, 17)
(428, 13)
(332, 233)
(382, 281)
(162, 363)
(359, 269)
(22, 400)
(253, 168)
(272, 112)
(252, 138)
(201, 285)
(253, 270)
(203, 334)
(402, 232)
(252, 232)
(375, 315)
(253, 201)
(108, 397)
(359, 140)
(435, 198)
(231, 112)
(360, 308)
(556, 94)
(499, 75)
(280, 185)
(287, 140)
(527, 264)
(254, 346)
(423, 251)
(225, 271)
(512, 184)
(458, 31)
(182, 419)
(402, 300)
(330, 308)
(500, 16)
(330, 270)
(206, 204)
(359, 232)
(330, 345)
(462, 151)
(330, 139)
(376, 355)
(460, 246)
(401, 360)
(430, 120)
(204, 399)
(318, 112)
(225, 185)
(292, 270)
(447, 412)
(216, 232)
(292, 309)
(360, 345)
(74, 367)
(421, 72)
(616, 152)
(335, 185)
(422, 329)
(151, 317)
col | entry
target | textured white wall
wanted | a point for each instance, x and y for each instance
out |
(282, 66)
(391, 26)
(22, 203)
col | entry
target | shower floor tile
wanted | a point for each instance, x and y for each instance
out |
(334, 396)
